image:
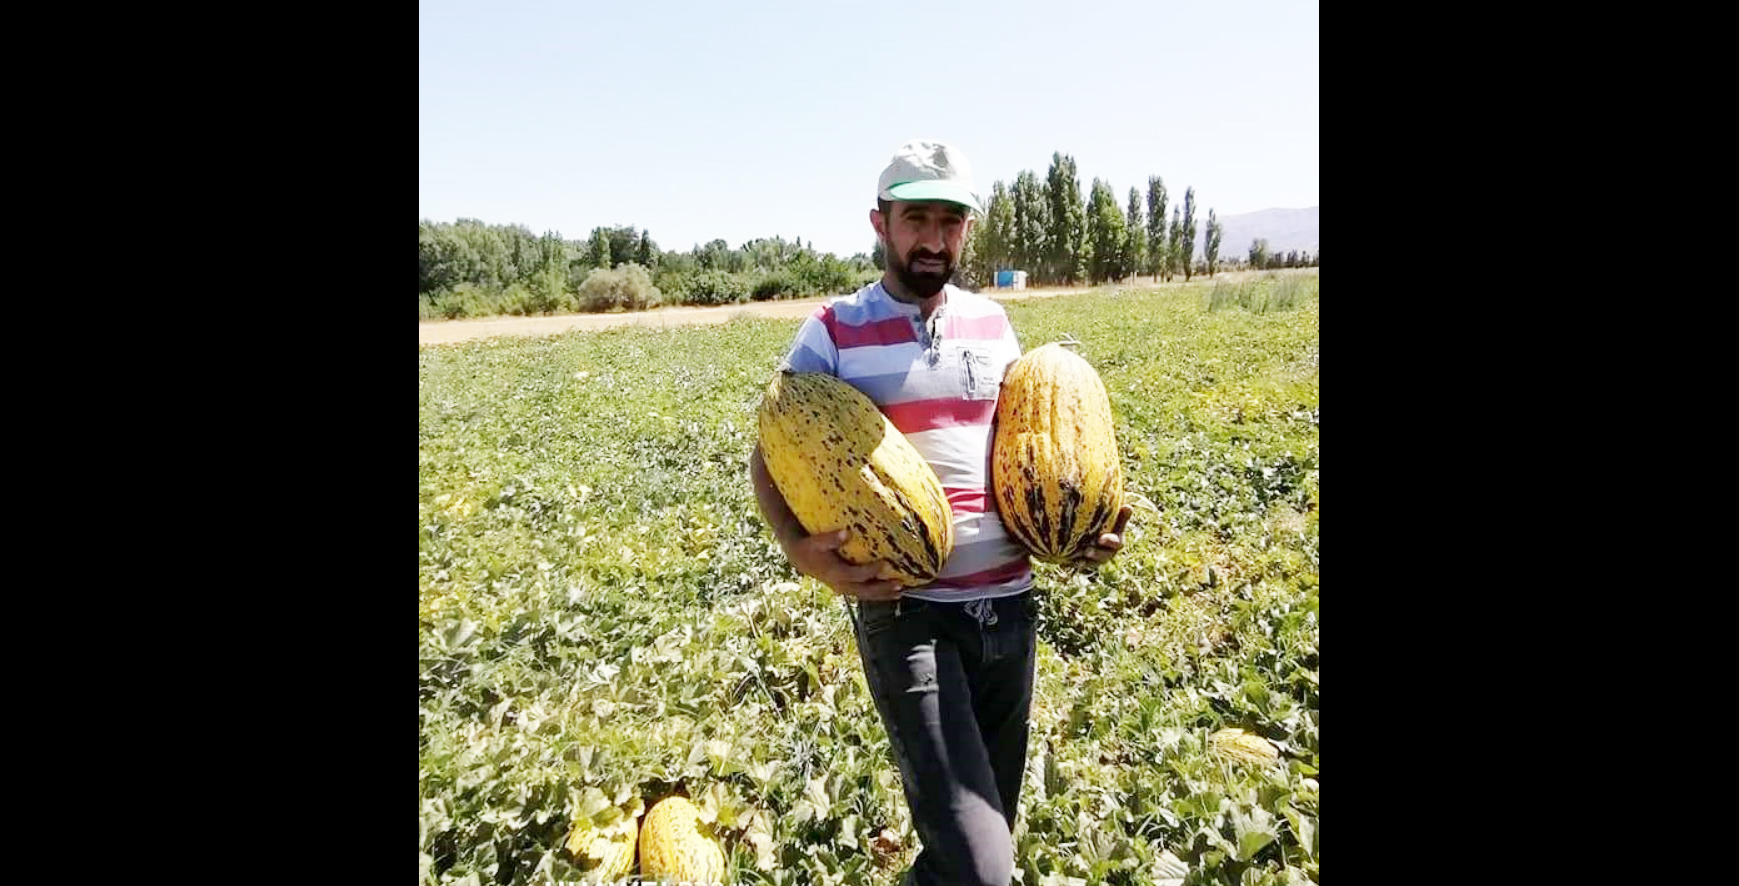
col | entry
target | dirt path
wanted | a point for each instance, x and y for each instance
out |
(440, 332)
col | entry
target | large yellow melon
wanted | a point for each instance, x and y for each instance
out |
(1055, 469)
(840, 464)
(607, 852)
(674, 849)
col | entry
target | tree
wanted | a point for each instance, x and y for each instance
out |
(968, 266)
(624, 243)
(600, 252)
(1031, 222)
(991, 236)
(1258, 254)
(1135, 257)
(1173, 248)
(522, 252)
(1068, 223)
(1212, 250)
(711, 257)
(998, 239)
(1107, 235)
(441, 267)
(647, 254)
(1158, 246)
(1188, 244)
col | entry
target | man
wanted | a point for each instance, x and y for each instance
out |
(951, 663)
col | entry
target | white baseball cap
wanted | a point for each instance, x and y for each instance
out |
(929, 170)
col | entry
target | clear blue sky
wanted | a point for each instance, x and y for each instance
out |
(702, 120)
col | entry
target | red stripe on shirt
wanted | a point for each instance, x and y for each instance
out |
(996, 575)
(985, 328)
(965, 501)
(892, 331)
(949, 412)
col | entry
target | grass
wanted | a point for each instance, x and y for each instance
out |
(603, 618)
(1270, 292)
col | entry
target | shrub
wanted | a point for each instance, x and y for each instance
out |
(517, 299)
(548, 293)
(718, 288)
(627, 287)
(675, 283)
(776, 284)
(833, 277)
(464, 300)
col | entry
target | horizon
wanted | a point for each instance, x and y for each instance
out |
(698, 123)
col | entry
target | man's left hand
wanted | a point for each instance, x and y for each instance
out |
(1109, 543)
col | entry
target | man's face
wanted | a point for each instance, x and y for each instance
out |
(923, 241)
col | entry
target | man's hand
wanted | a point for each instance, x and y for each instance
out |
(1109, 543)
(817, 556)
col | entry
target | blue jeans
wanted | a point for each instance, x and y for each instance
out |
(954, 685)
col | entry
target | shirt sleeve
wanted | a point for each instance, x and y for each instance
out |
(813, 350)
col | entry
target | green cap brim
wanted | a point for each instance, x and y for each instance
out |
(952, 192)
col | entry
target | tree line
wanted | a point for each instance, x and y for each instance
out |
(468, 268)
(1044, 227)
(1041, 226)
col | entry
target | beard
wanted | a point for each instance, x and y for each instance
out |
(921, 284)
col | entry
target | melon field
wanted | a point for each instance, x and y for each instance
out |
(603, 620)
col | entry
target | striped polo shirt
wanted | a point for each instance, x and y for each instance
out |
(937, 381)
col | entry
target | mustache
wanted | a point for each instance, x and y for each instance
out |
(921, 255)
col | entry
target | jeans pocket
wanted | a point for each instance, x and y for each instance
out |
(876, 617)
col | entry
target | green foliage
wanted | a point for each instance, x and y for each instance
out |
(600, 251)
(627, 288)
(1107, 236)
(505, 270)
(776, 284)
(993, 237)
(675, 284)
(1158, 242)
(1212, 247)
(602, 616)
(463, 300)
(1272, 292)
(971, 272)
(1259, 253)
(1174, 243)
(489, 257)
(1031, 225)
(1066, 236)
(996, 231)
(1135, 255)
(715, 287)
(799, 273)
(1040, 226)
(1187, 234)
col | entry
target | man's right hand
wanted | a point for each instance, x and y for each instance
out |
(817, 556)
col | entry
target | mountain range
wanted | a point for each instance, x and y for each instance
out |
(1284, 229)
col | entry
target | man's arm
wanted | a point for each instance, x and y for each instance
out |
(816, 556)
